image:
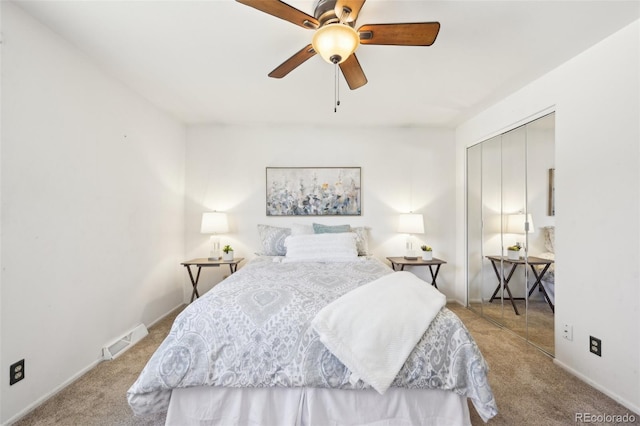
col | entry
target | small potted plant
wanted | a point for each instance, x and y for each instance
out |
(227, 252)
(513, 252)
(427, 253)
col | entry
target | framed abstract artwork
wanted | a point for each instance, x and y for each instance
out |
(313, 191)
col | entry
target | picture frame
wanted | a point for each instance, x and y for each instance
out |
(552, 193)
(313, 191)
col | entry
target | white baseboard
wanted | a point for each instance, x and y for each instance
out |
(602, 389)
(57, 389)
(178, 306)
(28, 409)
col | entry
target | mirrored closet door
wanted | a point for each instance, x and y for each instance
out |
(509, 220)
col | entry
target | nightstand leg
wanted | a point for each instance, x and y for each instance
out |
(506, 286)
(194, 283)
(493, 296)
(505, 283)
(434, 276)
(395, 267)
(539, 283)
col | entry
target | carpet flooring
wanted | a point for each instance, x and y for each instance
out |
(529, 388)
(535, 323)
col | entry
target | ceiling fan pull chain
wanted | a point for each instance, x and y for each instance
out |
(338, 84)
(336, 91)
(335, 88)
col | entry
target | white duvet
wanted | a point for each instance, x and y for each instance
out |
(253, 330)
(373, 329)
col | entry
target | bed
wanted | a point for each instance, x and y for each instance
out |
(249, 351)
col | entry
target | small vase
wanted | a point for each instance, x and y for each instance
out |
(427, 255)
(227, 256)
(513, 255)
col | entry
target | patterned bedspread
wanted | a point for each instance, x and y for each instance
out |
(253, 330)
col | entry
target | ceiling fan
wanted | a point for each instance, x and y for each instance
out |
(335, 38)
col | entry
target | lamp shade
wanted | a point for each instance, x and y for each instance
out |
(335, 42)
(214, 223)
(519, 224)
(411, 223)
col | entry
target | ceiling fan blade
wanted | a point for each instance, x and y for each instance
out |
(293, 62)
(409, 34)
(353, 5)
(353, 73)
(282, 10)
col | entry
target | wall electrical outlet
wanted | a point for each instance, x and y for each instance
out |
(16, 372)
(595, 345)
(567, 331)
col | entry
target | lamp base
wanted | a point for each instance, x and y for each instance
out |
(214, 253)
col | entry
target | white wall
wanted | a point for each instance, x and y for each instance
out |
(1, 298)
(596, 97)
(92, 211)
(403, 169)
(93, 215)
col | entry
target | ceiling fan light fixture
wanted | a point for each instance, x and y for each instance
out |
(335, 42)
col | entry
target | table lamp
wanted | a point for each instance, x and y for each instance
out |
(519, 224)
(214, 223)
(411, 223)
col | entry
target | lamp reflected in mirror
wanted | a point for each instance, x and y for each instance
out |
(520, 224)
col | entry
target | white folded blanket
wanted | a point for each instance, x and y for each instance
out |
(373, 329)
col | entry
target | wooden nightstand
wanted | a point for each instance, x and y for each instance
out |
(402, 262)
(206, 263)
(503, 281)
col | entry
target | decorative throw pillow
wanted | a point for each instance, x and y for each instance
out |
(362, 240)
(549, 238)
(549, 276)
(327, 229)
(300, 229)
(272, 240)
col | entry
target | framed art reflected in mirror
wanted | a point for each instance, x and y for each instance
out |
(552, 192)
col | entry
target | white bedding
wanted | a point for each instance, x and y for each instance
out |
(206, 406)
(386, 318)
(253, 330)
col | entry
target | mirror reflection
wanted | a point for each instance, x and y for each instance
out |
(510, 230)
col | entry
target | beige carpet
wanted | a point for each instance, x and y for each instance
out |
(529, 388)
(99, 397)
(536, 323)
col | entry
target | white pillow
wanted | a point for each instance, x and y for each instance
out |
(321, 248)
(362, 235)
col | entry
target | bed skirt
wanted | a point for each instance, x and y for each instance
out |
(315, 406)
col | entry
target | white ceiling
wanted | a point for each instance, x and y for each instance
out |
(207, 61)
